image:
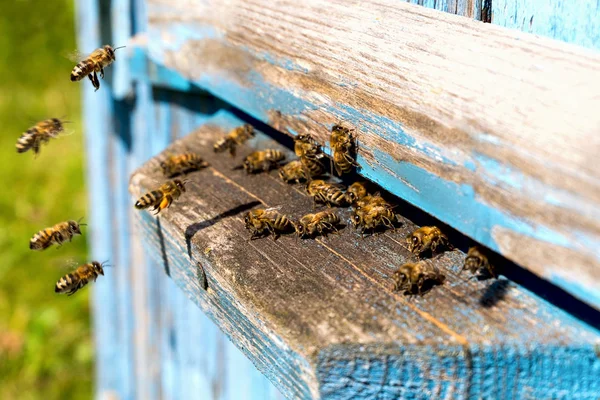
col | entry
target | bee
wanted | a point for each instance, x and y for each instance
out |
(57, 234)
(293, 172)
(372, 216)
(327, 193)
(263, 160)
(261, 222)
(95, 62)
(477, 260)
(342, 147)
(182, 163)
(310, 153)
(162, 197)
(322, 223)
(38, 134)
(426, 238)
(77, 279)
(411, 276)
(356, 191)
(234, 138)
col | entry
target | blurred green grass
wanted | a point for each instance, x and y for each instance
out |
(45, 344)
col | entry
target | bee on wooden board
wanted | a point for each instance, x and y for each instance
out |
(236, 137)
(427, 238)
(477, 260)
(310, 154)
(327, 193)
(372, 216)
(39, 134)
(181, 164)
(263, 160)
(57, 234)
(261, 222)
(72, 282)
(321, 223)
(162, 197)
(343, 148)
(356, 191)
(413, 278)
(94, 63)
(293, 171)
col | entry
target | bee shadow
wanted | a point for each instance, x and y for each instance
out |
(163, 248)
(194, 228)
(494, 293)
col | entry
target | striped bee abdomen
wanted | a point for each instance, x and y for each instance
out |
(282, 223)
(27, 141)
(149, 199)
(81, 70)
(69, 283)
(41, 240)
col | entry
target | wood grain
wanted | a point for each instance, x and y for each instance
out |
(503, 123)
(318, 317)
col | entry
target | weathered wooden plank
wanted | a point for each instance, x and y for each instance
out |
(508, 134)
(319, 318)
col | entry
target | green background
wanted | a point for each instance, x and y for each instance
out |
(45, 340)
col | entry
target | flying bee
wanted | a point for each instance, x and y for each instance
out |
(343, 147)
(261, 222)
(263, 160)
(356, 191)
(426, 238)
(94, 63)
(77, 279)
(38, 134)
(181, 164)
(310, 154)
(322, 223)
(327, 193)
(476, 260)
(411, 276)
(372, 216)
(162, 197)
(293, 172)
(57, 234)
(233, 139)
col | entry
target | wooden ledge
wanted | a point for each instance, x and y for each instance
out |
(318, 317)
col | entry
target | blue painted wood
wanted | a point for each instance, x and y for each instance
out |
(264, 100)
(576, 22)
(509, 351)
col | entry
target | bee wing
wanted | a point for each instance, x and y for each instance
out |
(276, 208)
(75, 56)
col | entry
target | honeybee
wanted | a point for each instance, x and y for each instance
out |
(95, 62)
(57, 234)
(234, 138)
(162, 197)
(372, 216)
(310, 154)
(411, 276)
(77, 279)
(293, 172)
(356, 191)
(476, 260)
(261, 222)
(181, 164)
(327, 193)
(263, 160)
(426, 238)
(342, 148)
(38, 134)
(322, 223)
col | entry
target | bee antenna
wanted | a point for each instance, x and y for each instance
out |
(120, 47)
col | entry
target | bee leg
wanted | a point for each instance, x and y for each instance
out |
(101, 72)
(95, 81)
(491, 271)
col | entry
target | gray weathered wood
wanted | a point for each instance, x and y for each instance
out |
(494, 131)
(313, 314)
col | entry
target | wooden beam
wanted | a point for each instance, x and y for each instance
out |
(493, 131)
(319, 318)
